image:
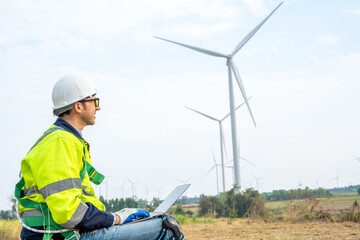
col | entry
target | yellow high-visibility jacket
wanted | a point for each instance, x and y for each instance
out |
(54, 174)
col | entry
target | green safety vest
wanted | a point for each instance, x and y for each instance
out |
(87, 173)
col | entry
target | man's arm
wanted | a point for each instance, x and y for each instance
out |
(95, 219)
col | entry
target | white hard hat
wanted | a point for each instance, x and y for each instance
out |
(70, 89)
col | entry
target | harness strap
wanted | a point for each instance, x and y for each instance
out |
(94, 175)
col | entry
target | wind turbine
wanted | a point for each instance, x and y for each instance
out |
(185, 181)
(337, 178)
(242, 166)
(232, 70)
(122, 189)
(222, 141)
(244, 160)
(216, 165)
(257, 181)
(133, 188)
(147, 191)
(300, 183)
(217, 178)
(356, 158)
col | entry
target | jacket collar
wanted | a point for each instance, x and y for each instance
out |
(68, 127)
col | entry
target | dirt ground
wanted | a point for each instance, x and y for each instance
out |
(243, 229)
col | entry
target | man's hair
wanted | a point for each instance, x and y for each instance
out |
(60, 113)
(63, 111)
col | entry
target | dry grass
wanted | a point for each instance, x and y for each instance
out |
(241, 229)
(10, 230)
(244, 229)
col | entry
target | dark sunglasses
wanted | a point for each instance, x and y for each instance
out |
(95, 100)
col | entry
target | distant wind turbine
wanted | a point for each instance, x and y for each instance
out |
(242, 166)
(133, 187)
(232, 70)
(217, 178)
(300, 183)
(147, 191)
(122, 188)
(185, 181)
(356, 158)
(337, 178)
(257, 181)
(222, 141)
(216, 165)
(244, 160)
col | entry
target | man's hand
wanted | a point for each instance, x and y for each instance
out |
(130, 214)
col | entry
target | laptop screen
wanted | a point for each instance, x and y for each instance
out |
(171, 199)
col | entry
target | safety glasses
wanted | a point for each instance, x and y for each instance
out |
(95, 100)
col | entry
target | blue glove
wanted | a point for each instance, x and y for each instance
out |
(130, 214)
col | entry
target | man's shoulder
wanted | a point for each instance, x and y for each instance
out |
(57, 134)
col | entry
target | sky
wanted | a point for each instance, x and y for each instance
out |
(301, 70)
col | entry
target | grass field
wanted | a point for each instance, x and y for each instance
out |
(244, 229)
(288, 227)
(336, 203)
(241, 229)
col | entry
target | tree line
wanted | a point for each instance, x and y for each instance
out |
(233, 204)
(279, 195)
(113, 205)
(351, 188)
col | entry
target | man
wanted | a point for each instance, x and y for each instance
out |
(55, 195)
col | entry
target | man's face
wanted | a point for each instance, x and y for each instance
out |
(89, 111)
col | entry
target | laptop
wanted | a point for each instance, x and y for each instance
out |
(167, 203)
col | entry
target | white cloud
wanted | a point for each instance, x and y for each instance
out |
(328, 39)
(355, 11)
(201, 30)
(43, 19)
(349, 67)
(256, 7)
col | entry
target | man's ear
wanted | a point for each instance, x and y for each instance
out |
(78, 107)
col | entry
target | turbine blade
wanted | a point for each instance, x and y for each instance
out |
(247, 38)
(205, 115)
(187, 180)
(227, 115)
(129, 180)
(247, 161)
(213, 157)
(210, 170)
(242, 89)
(202, 50)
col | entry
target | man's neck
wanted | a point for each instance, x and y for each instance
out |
(73, 121)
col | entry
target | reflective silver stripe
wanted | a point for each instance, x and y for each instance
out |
(31, 213)
(85, 192)
(60, 186)
(44, 135)
(31, 191)
(77, 216)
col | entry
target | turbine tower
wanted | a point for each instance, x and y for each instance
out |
(222, 141)
(232, 70)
